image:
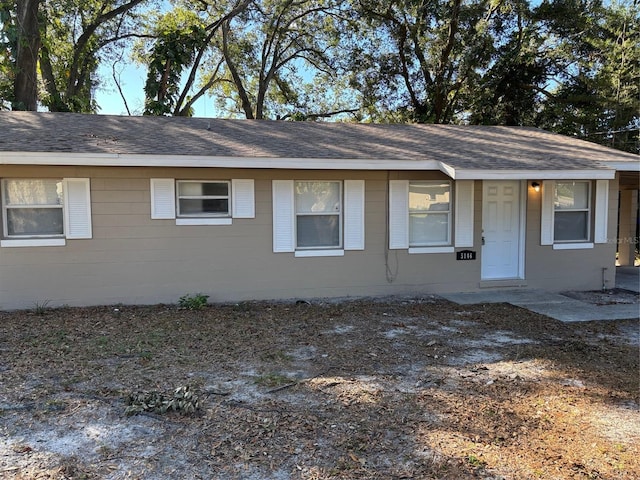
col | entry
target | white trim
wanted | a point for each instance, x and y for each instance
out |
(463, 214)
(523, 228)
(283, 212)
(243, 198)
(337, 252)
(447, 170)
(601, 214)
(163, 198)
(140, 160)
(572, 246)
(77, 208)
(34, 242)
(398, 214)
(431, 250)
(354, 203)
(623, 166)
(541, 174)
(547, 212)
(203, 221)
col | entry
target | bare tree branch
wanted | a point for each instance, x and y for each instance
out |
(323, 114)
(116, 80)
(83, 40)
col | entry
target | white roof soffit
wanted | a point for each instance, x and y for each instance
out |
(139, 160)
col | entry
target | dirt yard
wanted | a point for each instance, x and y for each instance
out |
(414, 388)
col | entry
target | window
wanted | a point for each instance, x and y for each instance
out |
(202, 202)
(571, 205)
(203, 199)
(429, 214)
(32, 208)
(421, 215)
(318, 218)
(574, 213)
(45, 212)
(318, 214)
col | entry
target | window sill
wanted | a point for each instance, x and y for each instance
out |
(413, 250)
(319, 253)
(572, 246)
(203, 221)
(34, 242)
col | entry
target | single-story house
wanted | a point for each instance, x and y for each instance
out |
(137, 210)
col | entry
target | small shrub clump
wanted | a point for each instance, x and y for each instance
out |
(193, 302)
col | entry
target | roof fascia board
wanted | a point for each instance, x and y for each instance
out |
(448, 170)
(624, 166)
(138, 160)
(595, 174)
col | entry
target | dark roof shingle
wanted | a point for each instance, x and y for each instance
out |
(464, 147)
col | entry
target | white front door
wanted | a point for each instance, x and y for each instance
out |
(501, 229)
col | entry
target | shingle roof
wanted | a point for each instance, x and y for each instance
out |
(462, 147)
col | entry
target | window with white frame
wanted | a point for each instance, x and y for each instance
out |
(572, 211)
(203, 198)
(429, 213)
(45, 211)
(318, 211)
(421, 217)
(202, 202)
(318, 218)
(32, 208)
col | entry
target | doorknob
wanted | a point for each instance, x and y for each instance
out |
(483, 240)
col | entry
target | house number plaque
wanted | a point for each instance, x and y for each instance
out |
(466, 255)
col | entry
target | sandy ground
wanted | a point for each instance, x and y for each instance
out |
(380, 389)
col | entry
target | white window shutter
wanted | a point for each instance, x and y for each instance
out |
(398, 214)
(243, 198)
(283, 216)
(163, 198)
(354, 214)
(546, 213)
(602, 211)
(77, 207)
(464, 213)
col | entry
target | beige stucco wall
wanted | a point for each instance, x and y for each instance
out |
(134, 259)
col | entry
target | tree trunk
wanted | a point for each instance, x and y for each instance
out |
(235, 75)
(25, 88)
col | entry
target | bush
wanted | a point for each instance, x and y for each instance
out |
(193, 302)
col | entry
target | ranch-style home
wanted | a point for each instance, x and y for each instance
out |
(137, 210)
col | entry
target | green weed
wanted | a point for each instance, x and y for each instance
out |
(195, 301)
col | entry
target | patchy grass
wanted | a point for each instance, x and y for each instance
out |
(407, 388)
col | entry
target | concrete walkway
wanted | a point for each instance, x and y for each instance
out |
(559, 306)
(628, 278)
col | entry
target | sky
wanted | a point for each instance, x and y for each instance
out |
(132, 79)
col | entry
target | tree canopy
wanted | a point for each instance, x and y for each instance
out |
(570, 66)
